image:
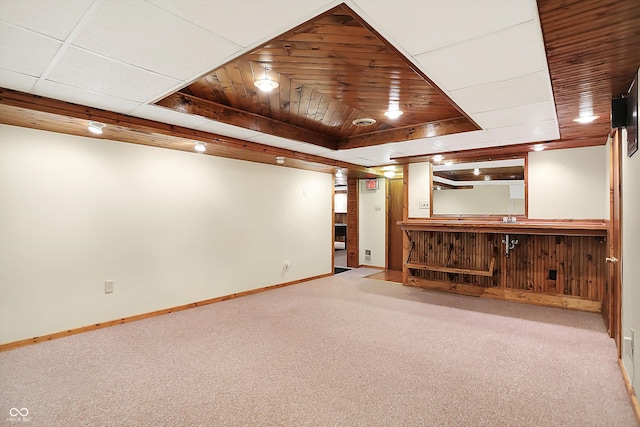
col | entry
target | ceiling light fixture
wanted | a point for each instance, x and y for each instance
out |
(476, 171)
(585, 119)
(96, 127)
(279, 160)
(438, 158)
(266, 84)
(393, 114)
(389, 174)
(200, 147)
(538, 147)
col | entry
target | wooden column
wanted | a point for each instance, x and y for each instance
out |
(353, 251)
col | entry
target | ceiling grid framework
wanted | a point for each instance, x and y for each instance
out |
(505, 65)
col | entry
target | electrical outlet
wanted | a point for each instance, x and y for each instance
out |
(628, 344)
(108, 287)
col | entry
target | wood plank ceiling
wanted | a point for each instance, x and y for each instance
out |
(331, 70)
(593, 52)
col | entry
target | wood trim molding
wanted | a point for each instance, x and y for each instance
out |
(101, 325)
(526, 297)
(542, 227)
(630, 391)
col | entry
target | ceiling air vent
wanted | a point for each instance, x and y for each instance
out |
(364, 122)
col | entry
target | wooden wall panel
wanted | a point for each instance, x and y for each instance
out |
(553, 265)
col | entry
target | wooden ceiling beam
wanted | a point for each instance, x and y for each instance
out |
(503, 152)
(222, 113)
(408, 133)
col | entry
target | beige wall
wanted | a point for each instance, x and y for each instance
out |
(169, 227)
(569, 184)
(372, 223)
(419, 189)
(630, 261)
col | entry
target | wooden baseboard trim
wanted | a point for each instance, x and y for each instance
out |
(514, 295)
(61, 334)
(629, 387)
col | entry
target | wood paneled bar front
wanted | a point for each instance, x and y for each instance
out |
(552, 263)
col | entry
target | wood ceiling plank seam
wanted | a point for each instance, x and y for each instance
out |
(303, 106)
(257, 98)
(216, 89)
(294, 106)
(321, 110)
(334, 39)
(312, 109)
(237, 82)
(331, 110)
(227, 87)
(284, 95)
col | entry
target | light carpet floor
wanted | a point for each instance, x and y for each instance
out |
(339, 351)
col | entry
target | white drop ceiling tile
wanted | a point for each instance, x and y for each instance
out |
(464, 139)
(75, 95)
(16, 81)
(423, 25)
(531, 113)
(95, 73)
(154, 39)
(228, 130)
(166, 115)
(53, 18)
(526, 133)
(244, 22)
(274, 141)
(344, 155)
(380, 157)
(530, 89)
(498, 56)
(415, 145)
(364, 162)
(310, 149)
(24, 51)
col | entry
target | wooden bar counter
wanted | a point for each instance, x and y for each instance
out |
(553, 263)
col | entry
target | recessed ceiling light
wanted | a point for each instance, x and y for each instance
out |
(389, 174)
(438, 158)
(476, 171)
(200, 147)
(393, 114)
(538, 147)
(96, 127)
(279, 160)
(266, 85)
(585, 119)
